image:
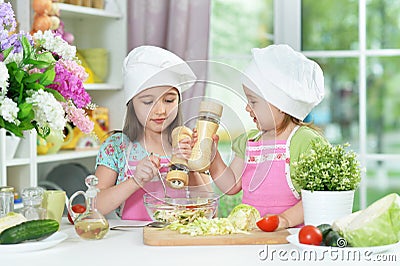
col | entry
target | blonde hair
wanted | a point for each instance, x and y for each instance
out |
(288, 118)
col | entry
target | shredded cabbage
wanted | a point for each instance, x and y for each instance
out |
(241, 219)
(183, 216)
(203, 226)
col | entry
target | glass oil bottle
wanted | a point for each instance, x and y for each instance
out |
(90, 224)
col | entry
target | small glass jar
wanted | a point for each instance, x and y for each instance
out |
(32, 198)
(6, 200)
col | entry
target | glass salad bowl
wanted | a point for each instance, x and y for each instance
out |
(181, 206)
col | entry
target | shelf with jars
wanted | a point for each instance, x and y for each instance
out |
(92, 28)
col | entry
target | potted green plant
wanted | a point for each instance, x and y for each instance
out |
(328, 176)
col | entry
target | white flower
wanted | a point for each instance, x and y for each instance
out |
(3, 78)
(9, 110)
(55, 44)
(48, 111)
(14, 57)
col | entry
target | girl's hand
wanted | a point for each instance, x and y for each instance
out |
(283, 222)
(195, 137)
(183, 149)
(146, 169)
(214, 149)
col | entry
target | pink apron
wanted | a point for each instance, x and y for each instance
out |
(264, 182)
(133, 208)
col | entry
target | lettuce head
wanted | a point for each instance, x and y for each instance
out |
(244, 217)
(377, 225)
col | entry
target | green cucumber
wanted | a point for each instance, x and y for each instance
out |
(333, 239)
(325, 229)
(29, 230)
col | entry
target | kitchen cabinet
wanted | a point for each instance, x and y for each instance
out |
(92, 28)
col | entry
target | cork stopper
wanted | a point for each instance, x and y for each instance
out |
(211, 107)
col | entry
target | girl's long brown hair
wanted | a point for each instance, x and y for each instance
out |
(134, 130)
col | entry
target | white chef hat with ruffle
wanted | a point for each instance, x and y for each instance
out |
(286, 79)
(150, 66)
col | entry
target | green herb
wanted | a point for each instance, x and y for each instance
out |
(327, 168)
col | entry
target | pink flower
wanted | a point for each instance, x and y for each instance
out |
(78, 117)
(75, 69)
(70, 86)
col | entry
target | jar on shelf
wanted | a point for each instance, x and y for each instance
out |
(87, 3)
(98, 4)
(75, 2)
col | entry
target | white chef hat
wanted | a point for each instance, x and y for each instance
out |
(286, 79)
(150, 66)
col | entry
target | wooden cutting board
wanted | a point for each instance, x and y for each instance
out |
(166, 237)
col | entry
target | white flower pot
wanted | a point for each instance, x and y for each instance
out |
(326, 206)
(11, 146)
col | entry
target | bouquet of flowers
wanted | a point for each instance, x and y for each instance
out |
(41, 81)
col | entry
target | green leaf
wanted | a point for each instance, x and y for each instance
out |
(26, 47)
(2, 124)
(33, 78)
(26, 125)
(56, 94)
(45, 57)
(11, 127)
(25, 111)
(12, 66)
(19, 75)
(48, 77)
(34, 86)
(7, 52)
(36, 63)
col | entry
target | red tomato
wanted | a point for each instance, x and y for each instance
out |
(269, 223)
(310, 235)
(77, 208)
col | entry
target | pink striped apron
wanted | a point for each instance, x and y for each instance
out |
(264, 181)
(133, 208)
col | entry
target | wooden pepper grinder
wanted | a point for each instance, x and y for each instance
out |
(178, 175)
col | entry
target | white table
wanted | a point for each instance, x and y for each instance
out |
(127, 248)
